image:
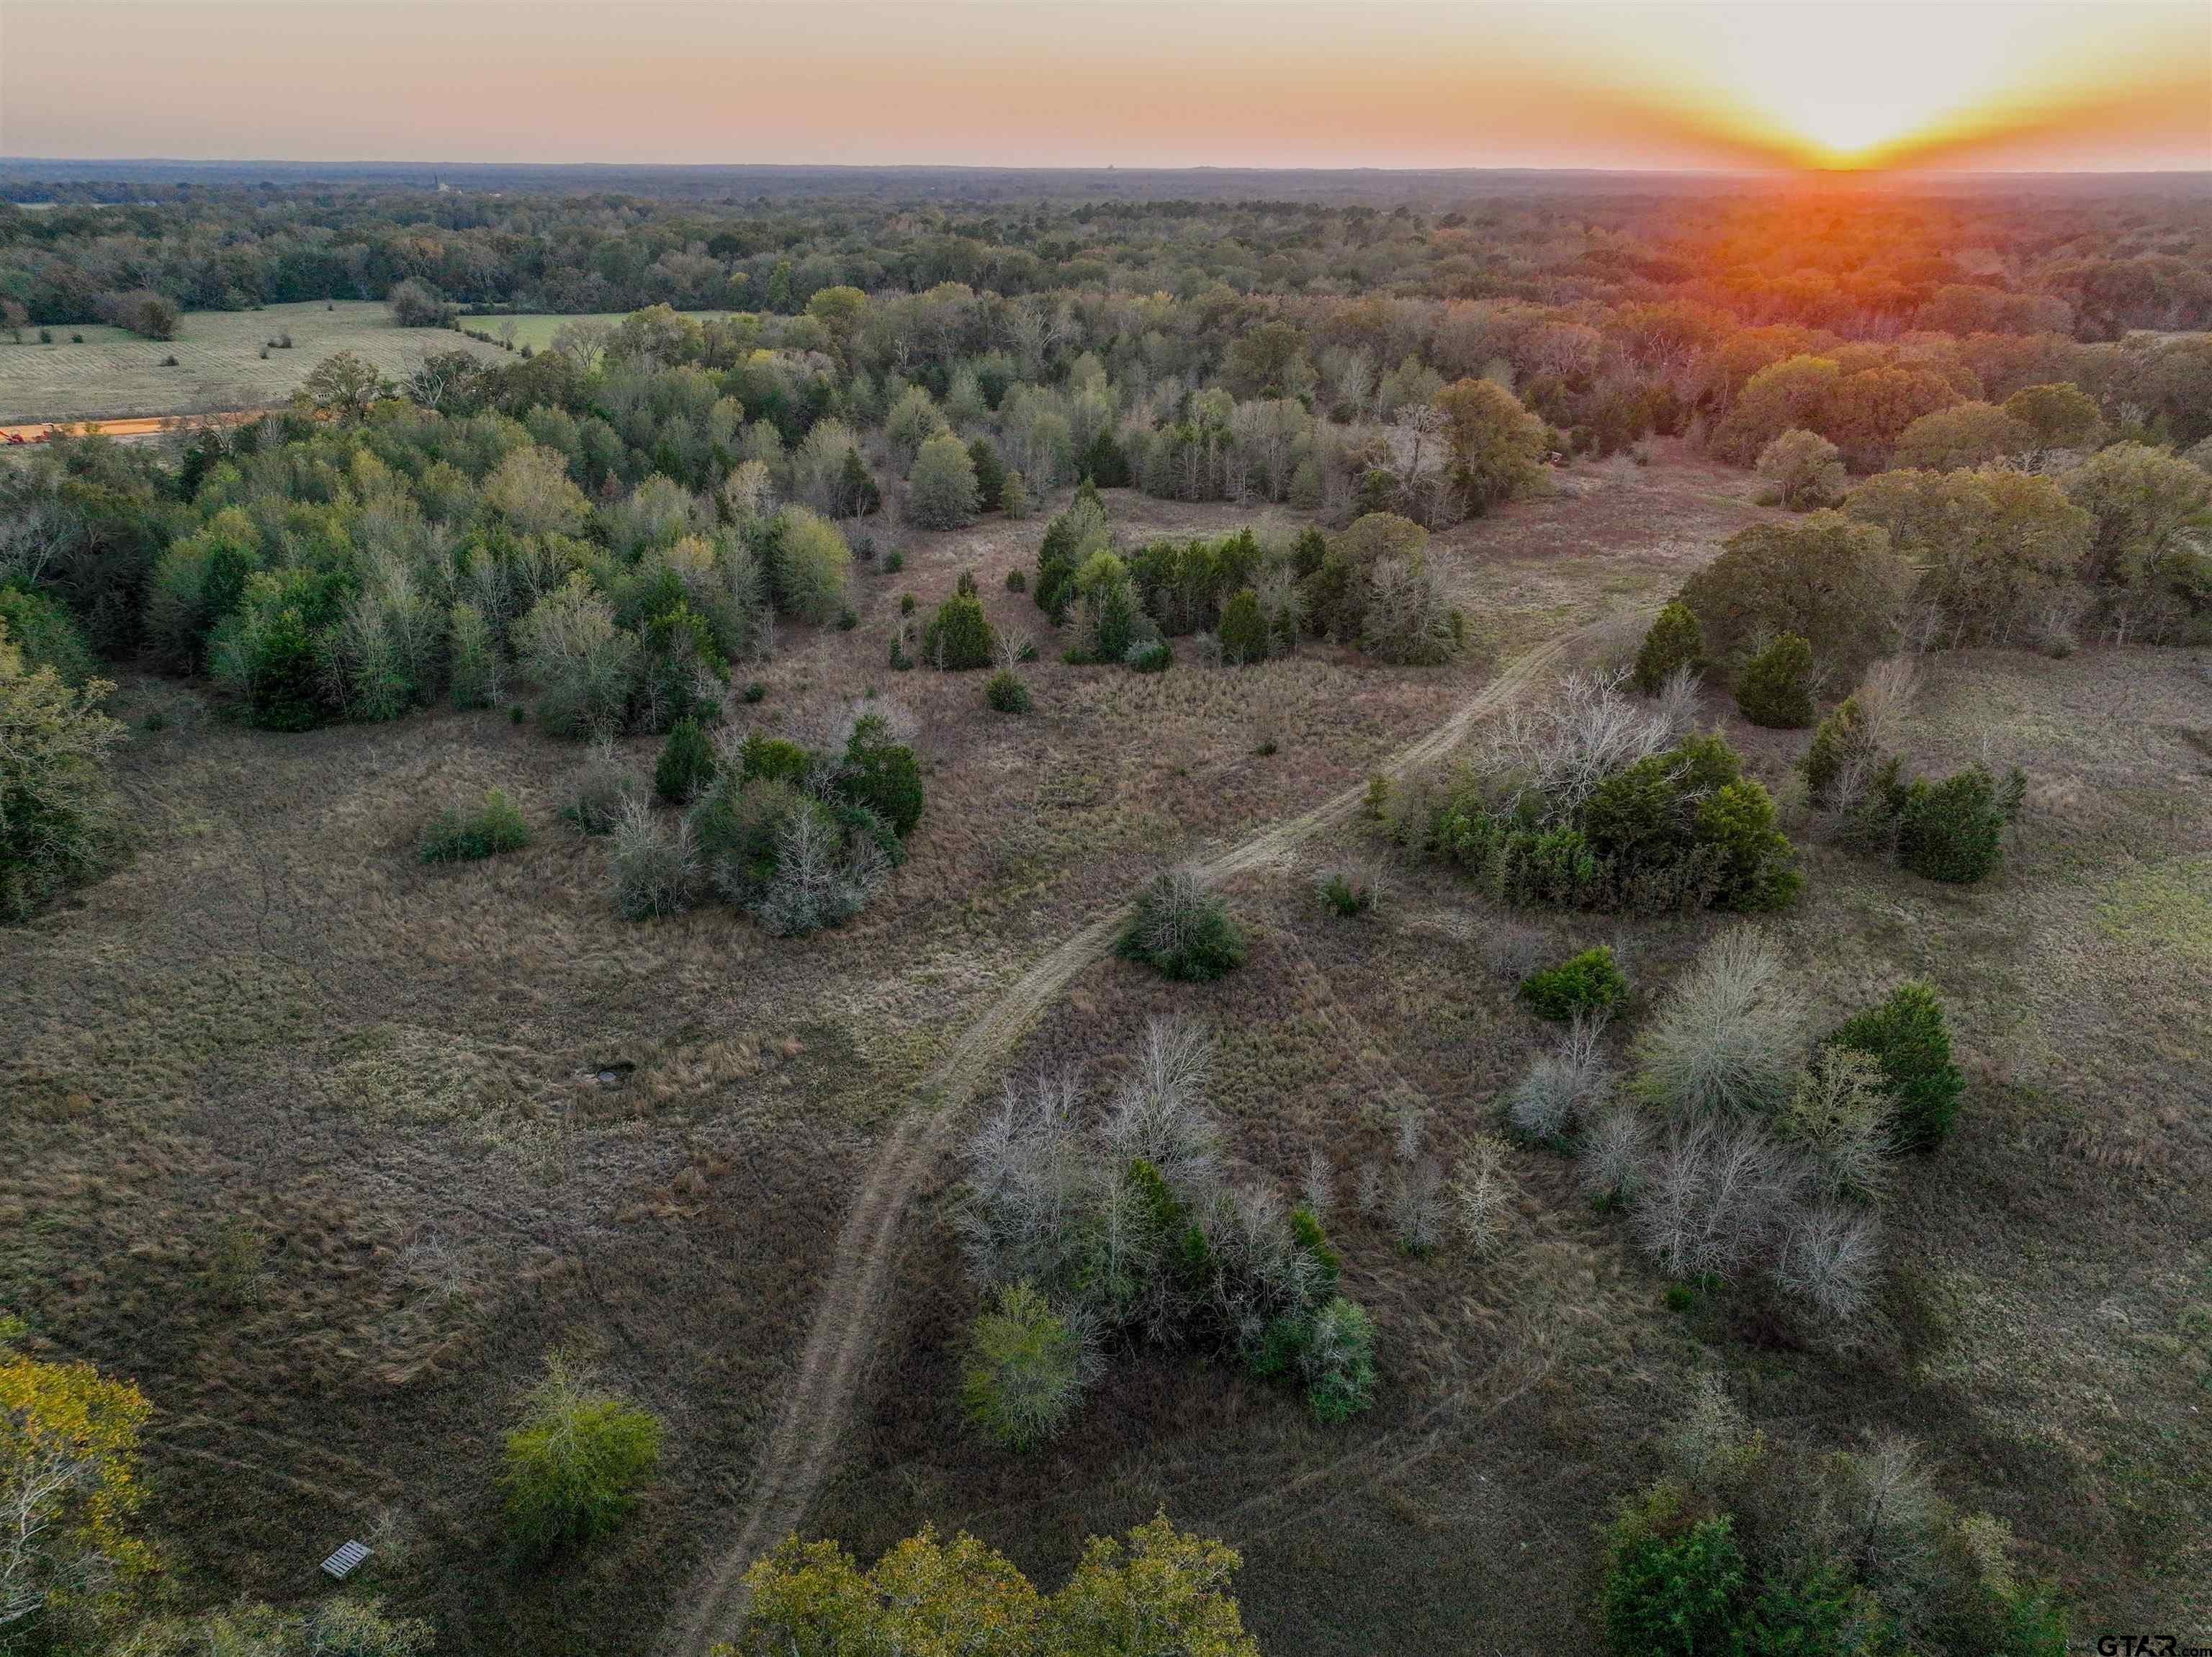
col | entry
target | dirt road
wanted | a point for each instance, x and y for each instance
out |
(801, 1447)
(140, 425)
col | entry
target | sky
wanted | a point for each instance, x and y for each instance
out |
(1969, 85)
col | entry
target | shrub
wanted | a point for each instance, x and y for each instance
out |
(958, 637)
(574, 1461)
(1840, 744)
(755, 692)
(1675, 642)
(1671, 1586)
(1589, 982)
(762, 755)
(1776, 686)
(1953, 831)
(1150, 656)
(893, 560)
(941, 489)
(1562, 1086)
(1025, 1372)
(882, 775)
(603, 789)
(1182, 930)
(1005, 693)
(1337, 1360)
(464, 836)
(655, 870)
(1907, 1036)
(1838, 1116)
(686, 765)
(1349, 890)
(1729, 1035)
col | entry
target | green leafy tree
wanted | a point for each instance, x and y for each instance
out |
(1025, 1370)
(1954, 829)
(1961, 438)
(1676, 641)
(1806, 470)
(1908, 1036)
(990, 474)
(60, 824)
(883, 777)
(1244, 633)
(686, 765)
(1496, 446)
(942, 490)
(1836, 584)
(1591, 982)
(958, 636)
(2058, 416)
(1672, 1585)
(1339, 1360)
(1776, 687)
(576, 1461)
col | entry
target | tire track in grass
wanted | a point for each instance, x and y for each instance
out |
(802, 1443)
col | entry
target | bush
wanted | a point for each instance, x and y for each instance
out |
(655, 870)
(686, 765)
(1587, 983)
(1953, 831)
(881, 775)
(1337, 1360)
(1728, 1036)
(574, 1461)
(1671, 1586)
(464, 836)
(415, 305)
(602, 789)
(59, 824)
(1182, 930)
(958, 637)
(1562, 1087)
(755, 692)
(1005, 693)
(1838, 746)
(762, 755)
(1150, 656)
(1017, 581)
(142, 312)
(1349, 892)
(1776, 687)
(1676, 642)
(1025, 1371)
(1907, 1036)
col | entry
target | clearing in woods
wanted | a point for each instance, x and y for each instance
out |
(804, 1443)
(219, 361)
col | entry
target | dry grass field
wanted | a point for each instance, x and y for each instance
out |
(219, 361)
(327, 1148)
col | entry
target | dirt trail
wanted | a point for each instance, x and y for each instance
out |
(136, 425)
(800, 1448)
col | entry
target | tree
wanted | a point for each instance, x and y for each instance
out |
(1792, 394)
(1672, 1584)
(59, 824)
(942, 491)
(69, 1492)
(958, 636)
(1806, 469)
(809, 565)
(2147, 504)
(343, 383)
(1776, 686)
(1165, 1593)
(1965, 435)
(1496, 445)
(1907, 1036)
(1675, 643)
(1835, 583)
(575, 1460)
(1869, 411)
(1953, 831)
(531, 489)
(2060, 416)
(144, 312)
(1244, 633)
(416, 305)
(584, 665)
(1997, 549)
(913, 420)
(686, 765)
(990, 474)
(1026, 1369)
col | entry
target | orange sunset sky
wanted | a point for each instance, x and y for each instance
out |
(2103, 85)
